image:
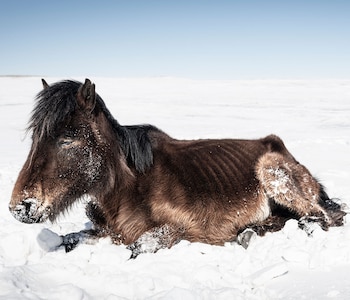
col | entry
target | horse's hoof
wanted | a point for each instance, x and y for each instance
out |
(245, 237)
(69, 247)
(70, 241)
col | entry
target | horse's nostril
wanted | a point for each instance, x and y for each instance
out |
(27, 206)
(30, 206)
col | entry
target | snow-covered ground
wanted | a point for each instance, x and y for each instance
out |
(312, 117)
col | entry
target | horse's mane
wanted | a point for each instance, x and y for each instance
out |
(57, 102)
(53, 105)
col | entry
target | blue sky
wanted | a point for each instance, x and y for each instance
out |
(216, 39)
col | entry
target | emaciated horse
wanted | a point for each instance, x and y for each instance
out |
(145, 185)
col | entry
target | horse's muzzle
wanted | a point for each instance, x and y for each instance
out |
(29, 211)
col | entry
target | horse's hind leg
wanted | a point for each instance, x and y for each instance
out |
(271, 224)
(291, 185)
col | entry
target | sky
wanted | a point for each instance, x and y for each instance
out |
(218, 39)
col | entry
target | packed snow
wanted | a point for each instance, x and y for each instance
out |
(313, 119)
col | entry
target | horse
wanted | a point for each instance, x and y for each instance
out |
(148, 190)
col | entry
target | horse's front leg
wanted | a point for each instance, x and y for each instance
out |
(51, 241)
(89, 236)
(159, 237)
(71, 240)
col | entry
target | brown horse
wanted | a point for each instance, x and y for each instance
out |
(149, 190)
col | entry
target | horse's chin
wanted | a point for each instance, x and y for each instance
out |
(30, 211)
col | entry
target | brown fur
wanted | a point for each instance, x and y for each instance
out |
(203, 190)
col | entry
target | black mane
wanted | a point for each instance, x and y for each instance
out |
(58, 101)
(53, 105)
(136, 145)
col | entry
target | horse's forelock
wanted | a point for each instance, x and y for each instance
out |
(53, 105)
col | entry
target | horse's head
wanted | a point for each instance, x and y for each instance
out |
(74, 147)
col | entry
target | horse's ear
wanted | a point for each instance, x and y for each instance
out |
(87, 96)
(45, 85)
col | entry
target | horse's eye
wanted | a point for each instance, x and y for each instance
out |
(65, 142)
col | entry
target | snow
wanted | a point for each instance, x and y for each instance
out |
(279, 185)
(313, 119)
